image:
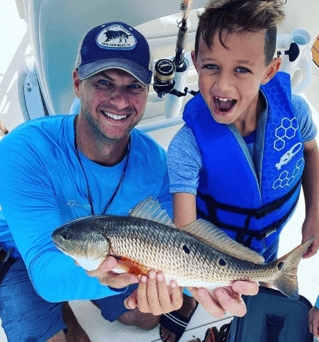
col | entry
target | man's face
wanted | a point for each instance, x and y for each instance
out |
(229, 79)
(112, 102)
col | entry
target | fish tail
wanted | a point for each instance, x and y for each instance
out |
(287, 282)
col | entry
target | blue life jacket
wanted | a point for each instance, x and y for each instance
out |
(250, 201)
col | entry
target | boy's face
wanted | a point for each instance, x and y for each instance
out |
(229, 79)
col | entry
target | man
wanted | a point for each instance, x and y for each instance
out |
(60, 168)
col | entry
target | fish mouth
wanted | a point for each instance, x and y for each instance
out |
(60, 247)
(57, 243)
(223, 105)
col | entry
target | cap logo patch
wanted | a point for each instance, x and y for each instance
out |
(116, 37)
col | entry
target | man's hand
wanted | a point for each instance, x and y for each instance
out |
(108, 278)
(313, 321)
(154, 296)
(223, 299)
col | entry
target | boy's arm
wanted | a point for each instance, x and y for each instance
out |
(184, 205)
(313, 319)
(183, 155)
(310, 185)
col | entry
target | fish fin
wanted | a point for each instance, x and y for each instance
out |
(287, 282)
(130, 266)
(150, 209)
(218, 239)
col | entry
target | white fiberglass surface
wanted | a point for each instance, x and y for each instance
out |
(15, 42)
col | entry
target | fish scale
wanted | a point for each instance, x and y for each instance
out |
(198, 255)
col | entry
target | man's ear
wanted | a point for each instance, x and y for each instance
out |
(76, 83)
(271, 70)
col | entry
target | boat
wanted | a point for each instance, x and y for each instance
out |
(36, 82)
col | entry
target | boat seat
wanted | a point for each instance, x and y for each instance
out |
(57, 26)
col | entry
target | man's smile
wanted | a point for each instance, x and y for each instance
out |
(116, 117)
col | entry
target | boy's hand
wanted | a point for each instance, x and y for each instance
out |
(108, 278)
(313, 321)
(310, 228)
(223, 299)
(154, 296)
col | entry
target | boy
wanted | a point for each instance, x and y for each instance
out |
(247, 143)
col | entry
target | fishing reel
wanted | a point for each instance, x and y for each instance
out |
(164, 72)
(170, 75)
(164, 82)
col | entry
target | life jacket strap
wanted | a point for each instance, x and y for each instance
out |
(257, 213)
(243, 232)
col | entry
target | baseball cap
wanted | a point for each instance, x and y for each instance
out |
(115, 45)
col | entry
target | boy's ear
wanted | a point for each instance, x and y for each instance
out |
(194, 59)
(76, 83)
(271, 70)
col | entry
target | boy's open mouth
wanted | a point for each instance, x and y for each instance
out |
(224, 104)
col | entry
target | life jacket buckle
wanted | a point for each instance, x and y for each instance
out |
(270, 231)
(7, 256)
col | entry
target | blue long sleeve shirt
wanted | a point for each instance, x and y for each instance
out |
(43, 186)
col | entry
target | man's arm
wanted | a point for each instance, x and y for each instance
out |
(32, 212)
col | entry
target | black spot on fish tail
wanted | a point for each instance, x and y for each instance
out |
(186, 249)
(222, 262)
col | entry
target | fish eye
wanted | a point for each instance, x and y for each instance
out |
(280, 266)
(65, 235)
(222, 262)
(186, 249)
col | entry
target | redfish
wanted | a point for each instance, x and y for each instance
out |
(199, 255)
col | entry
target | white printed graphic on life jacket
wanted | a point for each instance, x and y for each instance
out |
(285, 179)
(286, 130)
(285, 159)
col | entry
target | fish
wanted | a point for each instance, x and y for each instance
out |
(197, 255)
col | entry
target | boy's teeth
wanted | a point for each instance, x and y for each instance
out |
(223, 99)
(115, 117)
(224, 104)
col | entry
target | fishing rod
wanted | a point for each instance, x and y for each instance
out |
(181, 42)
(170, 75)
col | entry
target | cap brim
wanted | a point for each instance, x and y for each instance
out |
(136, 70)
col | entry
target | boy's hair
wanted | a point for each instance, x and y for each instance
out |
(232, 16)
